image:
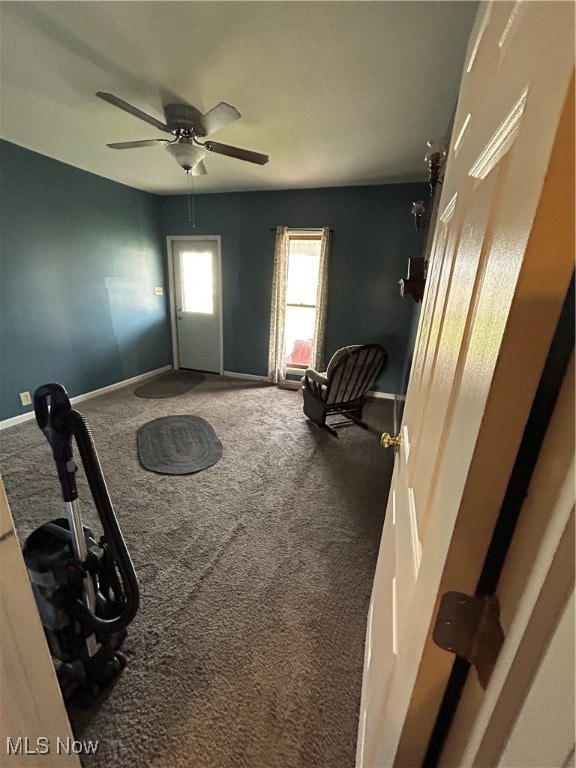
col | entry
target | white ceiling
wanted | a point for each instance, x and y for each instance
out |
(336, 93)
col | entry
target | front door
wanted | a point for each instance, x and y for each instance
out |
(197, 303)
(499, 270)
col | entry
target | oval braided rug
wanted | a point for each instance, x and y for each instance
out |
(178, 445)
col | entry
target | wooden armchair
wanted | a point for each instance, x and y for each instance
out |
(343, 387)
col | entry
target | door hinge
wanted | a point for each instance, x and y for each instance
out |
(470, 627)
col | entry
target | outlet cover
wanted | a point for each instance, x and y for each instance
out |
(158, 290)
(25, 398)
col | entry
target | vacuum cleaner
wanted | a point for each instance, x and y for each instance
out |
(85, 586)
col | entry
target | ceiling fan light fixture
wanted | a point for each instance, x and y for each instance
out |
(186, 124)
(186, 154)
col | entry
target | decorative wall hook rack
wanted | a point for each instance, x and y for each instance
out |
(435, 158)
(415, 280)
(418, 210)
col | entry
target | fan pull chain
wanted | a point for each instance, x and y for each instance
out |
(191, 208)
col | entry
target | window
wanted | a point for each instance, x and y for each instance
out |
(301, 292)
(197, 282)
(299, 301)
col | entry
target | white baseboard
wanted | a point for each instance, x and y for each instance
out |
(293, 384)
(88, 395)
(12, 422)
(383, 395)
(235, 375)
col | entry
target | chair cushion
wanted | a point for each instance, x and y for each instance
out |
(338, 355)
(351, 372)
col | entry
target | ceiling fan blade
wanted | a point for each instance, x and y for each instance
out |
(241, 154)
(115, 101)
(199, 169)
(134, 144)
(219, 116)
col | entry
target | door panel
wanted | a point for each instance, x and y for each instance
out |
(197, 303)
(450, 344)
(382, 636)
(489, 312)
(408, 550)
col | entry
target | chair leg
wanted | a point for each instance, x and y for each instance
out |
(352, 416)
(315, 410)
(357, 421)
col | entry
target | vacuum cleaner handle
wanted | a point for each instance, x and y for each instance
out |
(59, 423)
(50, 420)
(76, 423)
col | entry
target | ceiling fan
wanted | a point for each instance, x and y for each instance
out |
(188, 126)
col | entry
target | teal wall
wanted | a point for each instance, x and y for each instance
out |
(80, 257)
(373, 238)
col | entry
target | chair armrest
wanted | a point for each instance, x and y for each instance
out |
(315, 383)
(319, 378)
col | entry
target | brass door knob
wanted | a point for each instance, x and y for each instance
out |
(387, 441)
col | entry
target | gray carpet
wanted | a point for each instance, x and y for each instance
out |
(170, 384)
(178, 445)
(255, 576)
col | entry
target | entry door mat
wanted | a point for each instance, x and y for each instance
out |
(178, 445)
(170, 384)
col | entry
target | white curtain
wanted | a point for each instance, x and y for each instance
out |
(277, 353)
(317, 357)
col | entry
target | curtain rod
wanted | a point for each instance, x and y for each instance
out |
(302, 229)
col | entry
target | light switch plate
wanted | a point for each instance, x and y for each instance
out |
(25, 398)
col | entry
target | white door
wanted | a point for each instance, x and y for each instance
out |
(525, 717)
(32, 712)
(197, 303)
(499, 270)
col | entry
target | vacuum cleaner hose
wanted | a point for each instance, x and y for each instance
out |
(75, 422)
